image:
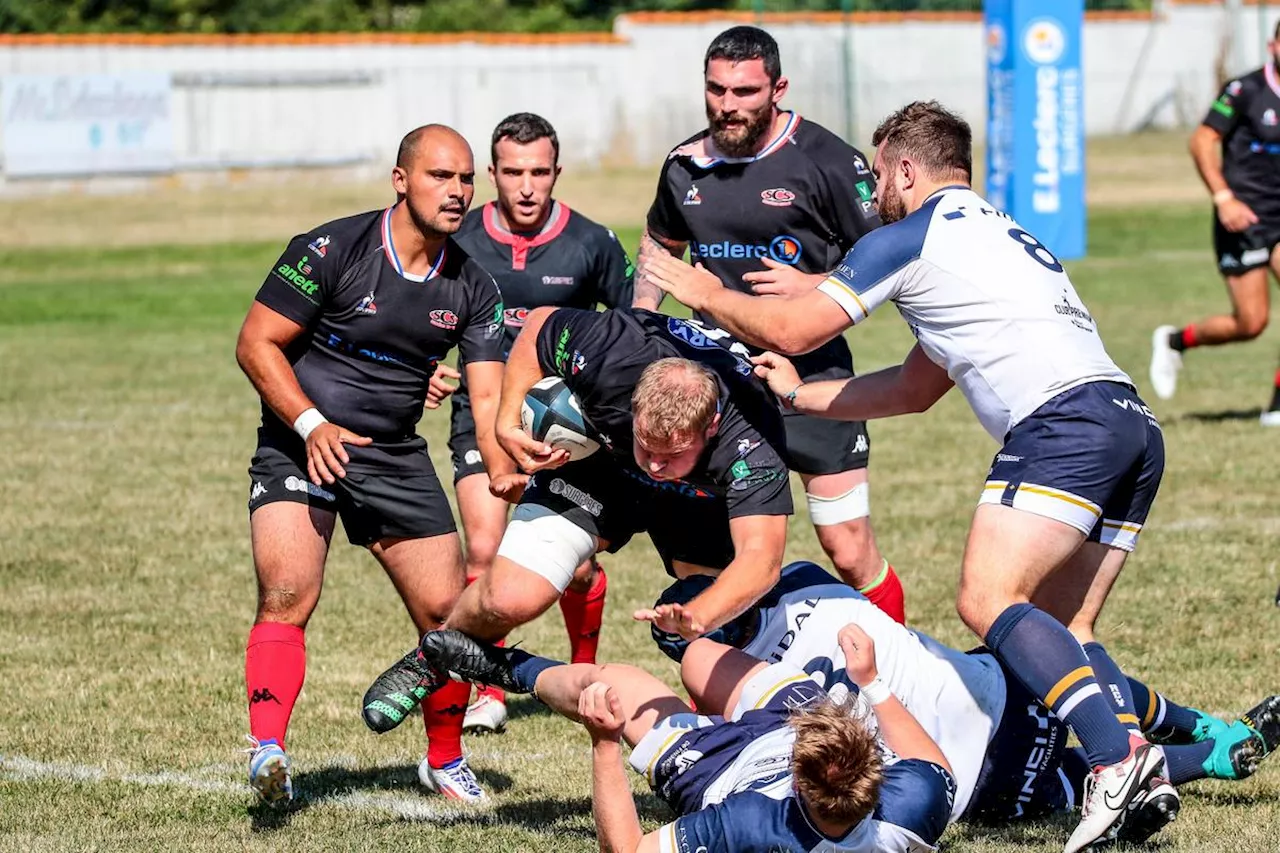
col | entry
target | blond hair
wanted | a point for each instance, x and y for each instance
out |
(836, 762)
(673, 404)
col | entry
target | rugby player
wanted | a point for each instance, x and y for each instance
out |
(1237, 152)
(692, 453)
(778, 763)
(541, 253)
(756, 197)
(1006, 751)
(1066, 497)
(340, 343)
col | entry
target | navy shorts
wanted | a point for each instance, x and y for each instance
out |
(1022, 774)
(1091, 457)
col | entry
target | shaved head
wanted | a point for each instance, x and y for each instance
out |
(417, 138)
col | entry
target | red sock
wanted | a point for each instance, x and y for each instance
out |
(1189, 337)
(583, 615)
(275, 664)
(886, 593)
(442, 715)
(493, 692)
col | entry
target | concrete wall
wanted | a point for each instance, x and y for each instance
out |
(629, 100)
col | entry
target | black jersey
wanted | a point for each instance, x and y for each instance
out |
(572, 262)
(1247, 114)
(374, 333)
(804, 200)
(600, 356)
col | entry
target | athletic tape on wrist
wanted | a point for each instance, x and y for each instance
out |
(308, 421)
(876, 691)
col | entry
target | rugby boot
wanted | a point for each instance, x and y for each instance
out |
(394, 694)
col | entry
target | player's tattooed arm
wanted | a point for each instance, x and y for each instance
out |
(647, 293)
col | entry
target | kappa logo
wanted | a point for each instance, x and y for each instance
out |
(263, 695)
(257, 491)
(320, 245)
(692, 197)
(366, 305)
(861, 445)
(778, 197)
(443, 318)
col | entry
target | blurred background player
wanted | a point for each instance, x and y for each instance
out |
(341, 343)
(541, 253)
(1237, 151)
(760, 194)
(782, 765)
(691, 453)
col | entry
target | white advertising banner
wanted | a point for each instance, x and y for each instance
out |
(86, 124)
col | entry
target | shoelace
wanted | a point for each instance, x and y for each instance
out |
(464, 778)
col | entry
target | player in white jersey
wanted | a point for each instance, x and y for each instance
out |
(993, 312)
(1006, 751)
(774, 763)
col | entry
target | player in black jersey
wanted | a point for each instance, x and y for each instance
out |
(341, 342)
(759, 198)
(541, 253)
(1237, 151)
(692, 452)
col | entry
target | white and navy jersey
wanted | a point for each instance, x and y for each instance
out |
(985, 299)
(957, 698)
(731, 781)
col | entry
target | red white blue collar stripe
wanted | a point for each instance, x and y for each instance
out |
(788, 130)
(389, 248)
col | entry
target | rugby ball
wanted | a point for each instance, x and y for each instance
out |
(552, 414)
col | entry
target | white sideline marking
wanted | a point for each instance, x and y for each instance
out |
(18, 768)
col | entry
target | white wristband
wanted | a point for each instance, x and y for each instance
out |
(308, 421)
(875, 691)
(1223, 196)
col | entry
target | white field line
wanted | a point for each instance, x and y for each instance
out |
(410, 808)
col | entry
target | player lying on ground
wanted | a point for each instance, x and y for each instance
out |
(692, 452)
(995, 313)
(341, 343)
(775, 763)
(1008, 754)
(541, 253)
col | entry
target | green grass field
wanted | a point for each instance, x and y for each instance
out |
(126, 588)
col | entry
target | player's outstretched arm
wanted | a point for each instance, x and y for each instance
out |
(911, 387)
(260, 353)
(523, 372)
(901, 731)
(758, 545)
(647, 294)
(612, 806)
(484, 383)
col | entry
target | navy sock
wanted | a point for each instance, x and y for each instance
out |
(525, 668)
(1049, 662)
(1186, 763)
(1154, 711)
(1115, 687)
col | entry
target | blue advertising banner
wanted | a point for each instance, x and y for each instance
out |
(1035, 118)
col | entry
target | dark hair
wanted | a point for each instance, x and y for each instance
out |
(1276, 34)
(940, 141)
(738, 44)
(523, 128)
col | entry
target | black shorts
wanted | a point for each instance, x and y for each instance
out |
(1238, 253)
(613, 502)
(390, 491)
(463, 449)
(820, 445)
(1022, 774)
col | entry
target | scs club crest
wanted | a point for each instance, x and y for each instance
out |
(444, 319)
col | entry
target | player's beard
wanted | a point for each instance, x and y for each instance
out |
(436, 226)
(740, 141)
(890, 203)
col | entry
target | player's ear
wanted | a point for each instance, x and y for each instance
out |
(715, 426)
(909, 172)
(780, 89)
(493, 175)
(399, 181)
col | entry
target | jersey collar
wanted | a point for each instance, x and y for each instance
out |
(788, 131)
(519, 243)
(940, 190)
(389, 248)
